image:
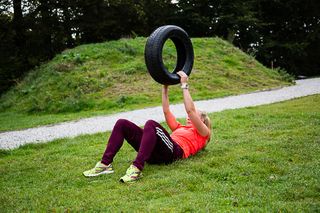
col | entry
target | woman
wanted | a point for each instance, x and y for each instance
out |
(153, 143)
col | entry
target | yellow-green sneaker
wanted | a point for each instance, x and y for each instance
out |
(99, 169)
(132, 174)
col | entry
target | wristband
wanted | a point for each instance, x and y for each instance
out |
(184, 86)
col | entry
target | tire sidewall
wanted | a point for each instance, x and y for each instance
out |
(154, 51)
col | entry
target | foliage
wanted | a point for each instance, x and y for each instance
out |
(282, 34)
(291, 38)
(260, 159)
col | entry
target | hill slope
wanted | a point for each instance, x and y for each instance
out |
(112, 77)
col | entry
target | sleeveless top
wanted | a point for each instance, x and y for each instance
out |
(189, 139)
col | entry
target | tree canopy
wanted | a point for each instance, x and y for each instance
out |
(279, 33)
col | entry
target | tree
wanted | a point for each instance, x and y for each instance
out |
(235, 21)
(291, 35)
(158, 13)
(283, 33)
(13, 42)
(195, 17)
(102, 20)
(8, 52)
(280, 33)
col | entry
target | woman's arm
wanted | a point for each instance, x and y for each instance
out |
(190, 107)
(170, 118)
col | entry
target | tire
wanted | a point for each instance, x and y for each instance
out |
(153, 54)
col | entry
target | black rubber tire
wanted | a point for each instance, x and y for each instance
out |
(153, 54)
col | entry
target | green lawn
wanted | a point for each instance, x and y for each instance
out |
(109, 77)
(260, 159)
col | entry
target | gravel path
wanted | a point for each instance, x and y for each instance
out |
(14, 139)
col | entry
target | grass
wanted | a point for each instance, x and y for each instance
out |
(110, 77)
(260, 159)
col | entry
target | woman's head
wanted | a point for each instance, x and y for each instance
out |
(205, 118)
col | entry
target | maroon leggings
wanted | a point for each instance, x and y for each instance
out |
(153, 143)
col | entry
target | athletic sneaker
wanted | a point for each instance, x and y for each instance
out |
(132, 174)
(99, 169)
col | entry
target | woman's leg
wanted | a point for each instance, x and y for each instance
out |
(156, 146)
(123, 129)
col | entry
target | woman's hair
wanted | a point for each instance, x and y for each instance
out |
(206, 121)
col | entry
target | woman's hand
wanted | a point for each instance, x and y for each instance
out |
(183, 77)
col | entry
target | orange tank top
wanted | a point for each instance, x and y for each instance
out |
(188, 138)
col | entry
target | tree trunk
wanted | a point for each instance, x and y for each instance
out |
(18, 26)
(45, 12)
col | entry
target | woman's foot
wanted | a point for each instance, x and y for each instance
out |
(133, 174)
(99, 169)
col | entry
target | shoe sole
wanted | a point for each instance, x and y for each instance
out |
(101, 173)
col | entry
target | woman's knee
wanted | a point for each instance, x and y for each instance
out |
(151, 123)
(121, 123)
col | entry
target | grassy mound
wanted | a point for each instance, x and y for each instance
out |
(113, 74)
(112, 77)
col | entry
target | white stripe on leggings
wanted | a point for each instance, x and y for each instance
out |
(164, 138)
